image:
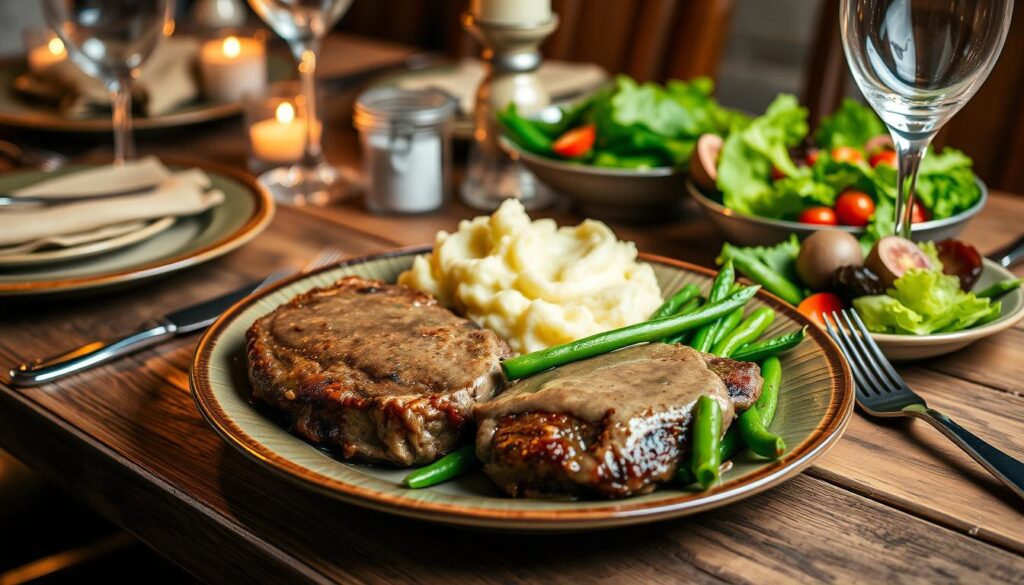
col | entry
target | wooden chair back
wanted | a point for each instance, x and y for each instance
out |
(646, 39)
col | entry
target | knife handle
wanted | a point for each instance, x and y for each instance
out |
(92, 354)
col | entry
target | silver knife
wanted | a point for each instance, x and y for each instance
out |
(180, 322)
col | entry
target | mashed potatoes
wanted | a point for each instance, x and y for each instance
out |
(536, 284)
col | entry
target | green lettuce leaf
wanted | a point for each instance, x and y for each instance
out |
(853, 124)
(923, 302)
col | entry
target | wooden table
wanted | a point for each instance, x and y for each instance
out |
(891, 502)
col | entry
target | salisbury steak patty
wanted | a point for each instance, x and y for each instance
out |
(379, 371)
(615, 425)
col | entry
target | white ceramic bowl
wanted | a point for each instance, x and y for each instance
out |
(917, 347)
(751, 230)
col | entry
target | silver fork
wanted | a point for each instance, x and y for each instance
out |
(882, 392)
(44, 160)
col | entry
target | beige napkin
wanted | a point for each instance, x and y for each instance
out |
(179, 194)
(166, 81)
(561, 78)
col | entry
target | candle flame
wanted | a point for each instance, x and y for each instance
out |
(284, 113)
(232, 47)
(56, 46)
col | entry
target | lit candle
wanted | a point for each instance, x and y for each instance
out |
(232, 67)
(280, 140)
(511, 11)
(45, 56)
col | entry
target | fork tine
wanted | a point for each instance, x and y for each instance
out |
(874, 369)
(886, 381)
(326, 257)
(877, 351)
(856, 364)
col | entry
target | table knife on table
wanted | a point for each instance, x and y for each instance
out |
(180, 322)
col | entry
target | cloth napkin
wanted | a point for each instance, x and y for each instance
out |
(179, 193)
(167, 80)
(561, 78)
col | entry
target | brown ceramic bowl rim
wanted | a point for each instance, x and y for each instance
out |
(262, 214)
(617, 512)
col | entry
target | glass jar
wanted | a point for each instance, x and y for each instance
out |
(406, 141)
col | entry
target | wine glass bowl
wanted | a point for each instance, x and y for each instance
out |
(110, 40)
(918, 62)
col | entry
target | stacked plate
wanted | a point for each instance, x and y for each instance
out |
(231, 210)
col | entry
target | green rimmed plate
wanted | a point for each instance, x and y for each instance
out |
(815, 404)
(246, 211)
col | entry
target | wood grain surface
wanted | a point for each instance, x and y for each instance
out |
(892, 502)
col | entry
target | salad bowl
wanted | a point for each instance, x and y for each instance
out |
(917, 347)
(751, 230)
(607, 193)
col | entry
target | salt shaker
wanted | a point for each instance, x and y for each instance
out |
(406, 141)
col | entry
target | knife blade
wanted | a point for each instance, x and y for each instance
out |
(180, 322)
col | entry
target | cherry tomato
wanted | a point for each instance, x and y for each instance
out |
(883, 157)
(847, 154)
(818, 216)
(818, 303)
(575, 142)
(919, 214)
(854, 208)
(777, 174)
(812, 156)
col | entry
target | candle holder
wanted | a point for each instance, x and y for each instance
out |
(276, 127)
(512, 56)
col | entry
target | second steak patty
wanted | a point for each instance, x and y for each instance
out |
(379, 372)
(615, 425)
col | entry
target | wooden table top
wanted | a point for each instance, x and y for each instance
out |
(891, 502)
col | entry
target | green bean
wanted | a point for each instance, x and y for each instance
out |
(750, 329)
(757, 437)
(523, 132)
(690, 306)
(705, 336)
(729, 445)
(648, 331)
(672, 305)
(759, 272)
(769, 347)
(998, 289)
(622, 161)
(452, 465)
(771, 372)
(727, 325)
(707, 431)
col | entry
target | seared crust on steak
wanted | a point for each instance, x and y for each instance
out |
(379, 372)
(532, 446)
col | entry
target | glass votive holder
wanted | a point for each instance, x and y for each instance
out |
(43, 49)
(406, 143)
(232, 67)
(275, 124)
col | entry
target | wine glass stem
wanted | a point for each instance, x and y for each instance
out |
(910, 151)
(121, 96)
(306, 54)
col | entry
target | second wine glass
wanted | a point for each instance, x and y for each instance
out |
(110, 40)
(918, 62)
(303, 25)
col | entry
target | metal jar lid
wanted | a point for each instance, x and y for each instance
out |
(384, 107)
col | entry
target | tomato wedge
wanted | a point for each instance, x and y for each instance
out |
(576, 142)
(854, 208)
(818, 216)
(847, 154)
(883, 157)
(818, 303)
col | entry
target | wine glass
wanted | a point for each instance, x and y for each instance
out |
(110, 40)
(303, 25)
(918, 62)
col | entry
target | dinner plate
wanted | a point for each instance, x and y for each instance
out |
(815, 404)
(119, 238)
(21, 112)
(245, 212)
